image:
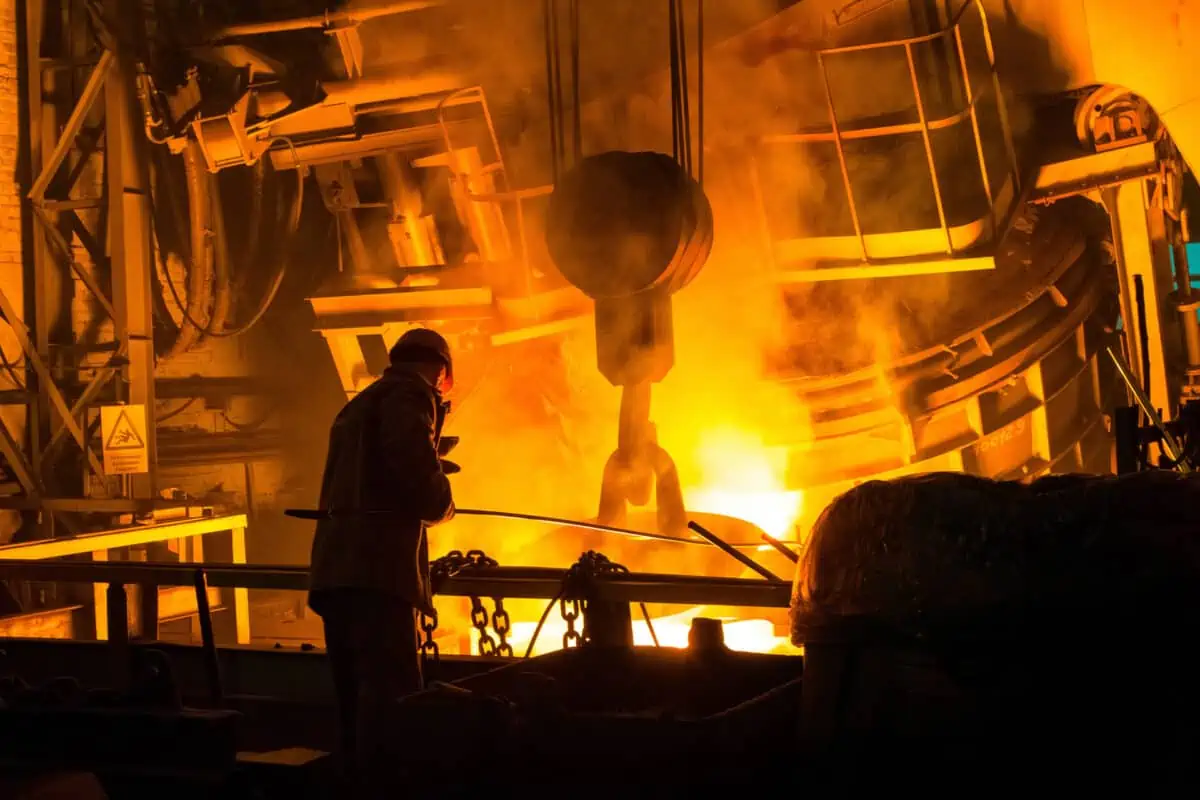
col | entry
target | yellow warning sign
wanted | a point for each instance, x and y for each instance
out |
(123, 430)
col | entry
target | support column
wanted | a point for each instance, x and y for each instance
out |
(129, 229)
(241, 595)
(1139, 262)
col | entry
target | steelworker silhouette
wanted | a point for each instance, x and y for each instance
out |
(370, 570)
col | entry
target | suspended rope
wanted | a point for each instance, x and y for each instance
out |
(554, 85)
(681, 114)
(576, 98)
(700, 91)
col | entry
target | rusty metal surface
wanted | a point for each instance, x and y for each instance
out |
(994, 373)
(55, 624)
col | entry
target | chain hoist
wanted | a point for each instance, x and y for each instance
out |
(442, 569)
(576, 587)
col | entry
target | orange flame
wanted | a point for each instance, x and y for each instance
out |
(741, 477)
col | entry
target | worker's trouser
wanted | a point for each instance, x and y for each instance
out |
(371, 641)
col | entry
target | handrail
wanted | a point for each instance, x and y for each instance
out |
(123, 537)
(507, 582)
(909, 41)
(838, 131)
(99, 544)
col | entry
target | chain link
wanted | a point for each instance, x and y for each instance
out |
(502, 625)
(576, 587)
(456, 561)
(570, 608)
(479, 618)
(429, 648)
(448, 566)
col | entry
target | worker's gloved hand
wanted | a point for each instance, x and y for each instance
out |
(450, 468)
(446, 444)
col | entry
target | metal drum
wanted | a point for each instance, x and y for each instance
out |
(621, 223)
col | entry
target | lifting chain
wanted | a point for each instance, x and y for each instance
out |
(429, 648)
(570, 610)
(455, 562)
(446, 567)
(479, 618)
(575, 587)
(502, 626)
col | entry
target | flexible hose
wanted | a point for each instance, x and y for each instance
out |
(222, 277)
(258, 179)
(293, 226)
(202, 253)
(276, 280)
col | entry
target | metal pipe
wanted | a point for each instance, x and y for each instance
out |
(729, 550)
(118, 634)
(1183, 273)
(971, 106)
(998, 93)
(222, 274)
(201, 260)
(1170, 445)
(928, 142)
(330, 19)
(315, 515)
(787, 552)
(388, 87)
(841, 154)
(212, 662)
(507, 582)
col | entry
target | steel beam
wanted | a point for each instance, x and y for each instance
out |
(506, 582)
(1140, 262)
(20, 466)
(46, 381)
(129, 230)
(124, 537)
(36, 258)
(328, 20)
(86, 398)
(64, 247)
(91, 91)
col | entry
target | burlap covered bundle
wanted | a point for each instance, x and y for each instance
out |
(947, 545)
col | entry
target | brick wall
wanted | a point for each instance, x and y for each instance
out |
(10, 196)
(10, 223)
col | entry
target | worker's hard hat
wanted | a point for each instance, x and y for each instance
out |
(420, 344)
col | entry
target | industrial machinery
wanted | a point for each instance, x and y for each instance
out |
(969, 221)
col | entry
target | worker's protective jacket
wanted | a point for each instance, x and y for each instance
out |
(382, 457)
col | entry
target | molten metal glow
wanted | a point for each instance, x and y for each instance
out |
(741, 477)
(747, 635)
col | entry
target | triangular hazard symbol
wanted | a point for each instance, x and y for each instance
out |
(124, 436)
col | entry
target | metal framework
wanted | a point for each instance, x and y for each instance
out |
(595, 600)
(530, 303)
(866, 253)
(60, 389)
(100, 545)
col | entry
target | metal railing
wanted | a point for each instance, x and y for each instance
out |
(838, 133)
(31, 560)
(504, 202)
(495, 582)
(532, 583)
